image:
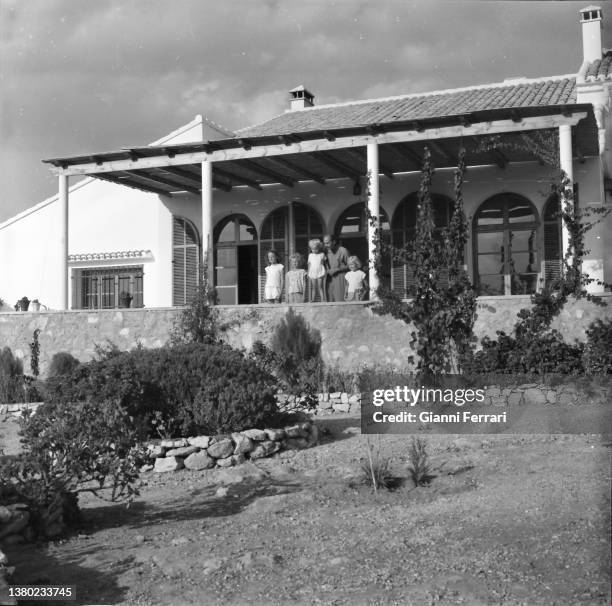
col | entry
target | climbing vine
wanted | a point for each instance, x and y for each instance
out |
(443, 305)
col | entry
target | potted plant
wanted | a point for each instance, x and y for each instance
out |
(125, 299)
(35, 305)
(22, 304)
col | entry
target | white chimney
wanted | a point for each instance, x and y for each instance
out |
(591, 20)
(301, 98)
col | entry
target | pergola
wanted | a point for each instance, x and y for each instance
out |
(373, 149)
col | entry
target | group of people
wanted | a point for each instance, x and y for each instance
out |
(330, 274)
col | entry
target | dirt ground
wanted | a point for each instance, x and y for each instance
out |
(517, 520)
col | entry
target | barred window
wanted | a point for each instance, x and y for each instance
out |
(108, 287)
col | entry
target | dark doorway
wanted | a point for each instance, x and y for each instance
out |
(247, 274)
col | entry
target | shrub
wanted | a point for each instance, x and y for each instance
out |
(295, 341)
(71, 448)
(419, 468)
(11, 377)
(186, 389)
(62, 363)
(597, 357)
(529, 353)
(376, 471)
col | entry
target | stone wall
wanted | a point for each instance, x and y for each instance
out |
(353, 336)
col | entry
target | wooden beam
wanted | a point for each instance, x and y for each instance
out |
(235, 178)
(359, 154)
(321, 145)
(297, 169)
(128, 183)
(327, 159)
(157, 179)
(437, 147)
(406, 152)
(194, 179)
(262, 170)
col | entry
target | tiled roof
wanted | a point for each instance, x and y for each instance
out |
(105, 256)
(600, 69)
(560, 90)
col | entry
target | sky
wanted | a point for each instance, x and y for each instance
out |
(86, 76)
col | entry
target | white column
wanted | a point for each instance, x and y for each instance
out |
(207, 226)
(374, 208)
(566, 162)
(290, 231)
(63, 242)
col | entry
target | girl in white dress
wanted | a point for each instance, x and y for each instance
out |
(274, 279)
(357, 281)
(317, 270)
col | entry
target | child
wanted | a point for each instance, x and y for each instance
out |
(296, 279)
(274, 279)
(316, 270)
(357, 282)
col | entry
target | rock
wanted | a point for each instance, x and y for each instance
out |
(178, 443)
(244, 444)
(535, 396)
(296, 431)
(139, 539)
(198, 461)
(212, 565)
(265, 449)
(3, 559)
(325, 405)
(155, 450)
(238, 459)
(168, 464)
(5, 514)
(180, 541)
(344, 398)
(19, 520)
(222, 491)
(183, 451)
(146, 468)
(259, 435)
(199, 441)
(341, 407)
(335, 395)
(226, 461)
(276, 434)
(355, 398)
(223, 448)
(296, 443)
(272, 504)
(339, 561)
(236, 475)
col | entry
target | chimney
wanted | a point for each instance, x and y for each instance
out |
(301, 98)
(591, 20)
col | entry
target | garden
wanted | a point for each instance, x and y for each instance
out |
(296, 506)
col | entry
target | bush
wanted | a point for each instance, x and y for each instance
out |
(62, 363)
(419, 468)
(183, 390)
(532, 354)
(11, 378)
(294, 358)
(376, 469)
(72, 448)
(597, 357)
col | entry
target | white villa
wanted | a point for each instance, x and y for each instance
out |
(139, 220)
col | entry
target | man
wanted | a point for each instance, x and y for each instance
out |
(337, 259)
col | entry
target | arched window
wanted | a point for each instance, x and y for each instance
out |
(506, 258)
(553, 247)
(403, 229)
(235, 260)
(185, 260)
(277, 233)
(352, 231)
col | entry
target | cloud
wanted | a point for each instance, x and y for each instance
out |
(95, 75)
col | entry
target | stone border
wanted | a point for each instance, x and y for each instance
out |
(205, 452)
(327, 403)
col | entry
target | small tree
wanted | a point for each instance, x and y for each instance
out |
(198, 323)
